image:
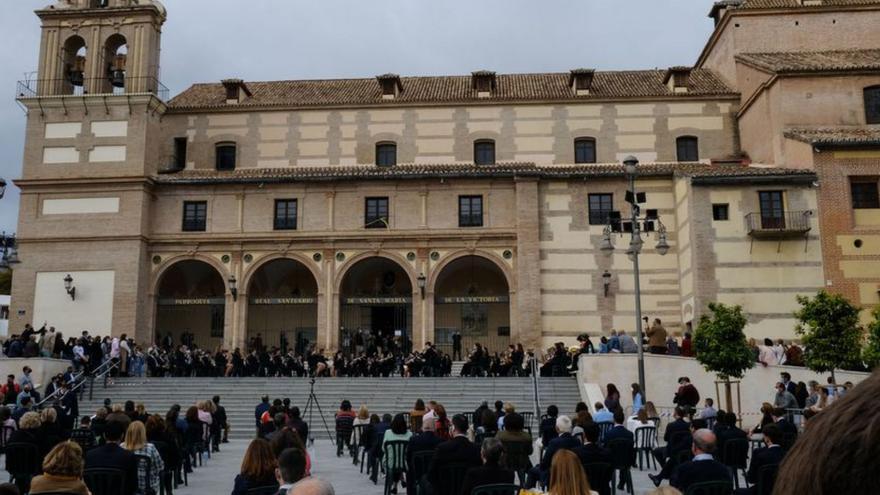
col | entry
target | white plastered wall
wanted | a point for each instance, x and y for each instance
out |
(92, 309)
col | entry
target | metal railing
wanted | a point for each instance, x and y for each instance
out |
(33, 88)
(536, 372)
(781, 224)
(80, 381)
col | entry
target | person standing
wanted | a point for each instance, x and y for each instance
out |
(657, 337)
(456, 345)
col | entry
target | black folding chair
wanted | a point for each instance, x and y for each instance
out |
(451, 478)
(145, 464)
(5, 433)
(394, 460)
(600, 475)
(206, 438)
(263, 490)
(622, 456)
(710, 488)
(104, 481)
(735, 455)
(766, 479)
(516, 459)
(604, 427)
(22, 463)
(498, 489)
(358, 442)
(419, 462)
(528, 418)
(645, 439)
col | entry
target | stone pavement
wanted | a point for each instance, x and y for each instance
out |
(216, 476)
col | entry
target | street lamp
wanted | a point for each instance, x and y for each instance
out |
(233, 287)
(8, 251)
(606, 281)
(422, 280)
(2, 187)
(606, 246)
(68, 286)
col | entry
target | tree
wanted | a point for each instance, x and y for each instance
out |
(721, 347)
(871, 354)
(829, 328)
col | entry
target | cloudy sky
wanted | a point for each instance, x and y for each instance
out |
(208, 40)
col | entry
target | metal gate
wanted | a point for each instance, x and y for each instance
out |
(483, 319)
(283, 322)
(197, 321)
(369, 321)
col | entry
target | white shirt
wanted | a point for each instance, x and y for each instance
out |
(114, 348)
(78, 351)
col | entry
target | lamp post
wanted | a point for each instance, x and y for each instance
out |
(68, 286)
(2, 187)
(8, 251)
(606, 245)
(422, 280)
(233, 287)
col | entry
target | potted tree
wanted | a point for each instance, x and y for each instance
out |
(720, 345)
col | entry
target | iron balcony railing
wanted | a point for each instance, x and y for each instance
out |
(104, 86)
(778, 224)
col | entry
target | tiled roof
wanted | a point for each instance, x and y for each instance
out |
(467, 170)
(449, 89)
(868, 135)
(788, 62)
(783, 4)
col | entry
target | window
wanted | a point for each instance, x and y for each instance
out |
(225, 156)
(585, 150)
(720, 212)
(772, 210)
(195, 214)
(376, 214)
(872, 105)
(180, 153)
(386, 154)
(864, 195)
(285, 214)
(470, 211)
(484, 152)
(688, 149)
(600, 206)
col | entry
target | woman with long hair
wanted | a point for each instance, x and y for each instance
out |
(442, 425)
(612, 397)
(416, 415)
(637, 398)
(136, 443)
(257, 468)
(567, 476)
(62, 471)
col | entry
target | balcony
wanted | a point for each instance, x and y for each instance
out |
(779, 226)
(35, 88)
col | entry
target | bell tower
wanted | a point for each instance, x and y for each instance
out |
(100, 47)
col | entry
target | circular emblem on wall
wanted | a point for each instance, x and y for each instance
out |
(857, 243)
(507, 254)
(340, 256)
(248, 258)
(435, 255)
(317, 256)
(411, 256)
(225, 258)
(157, 259)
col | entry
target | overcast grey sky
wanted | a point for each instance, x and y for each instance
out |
(207, 40)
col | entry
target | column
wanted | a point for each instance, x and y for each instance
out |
(525, 318)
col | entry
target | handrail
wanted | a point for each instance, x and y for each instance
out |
(533, 363)
(76, 380)
(109, 365)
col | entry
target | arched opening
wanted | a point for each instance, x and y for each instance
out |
(115, 58)
(74, 53)
(472, 299)
(190, 305)
(375, 308)
(282, 307)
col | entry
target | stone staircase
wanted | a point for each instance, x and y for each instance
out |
(381, 395)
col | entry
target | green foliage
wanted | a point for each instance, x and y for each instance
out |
(829, 328)
(6, 282)
(720, 344)
(871, 354)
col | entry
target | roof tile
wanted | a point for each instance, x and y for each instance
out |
(836, 135)
(821, 61)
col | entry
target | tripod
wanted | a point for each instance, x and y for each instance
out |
(311, 403)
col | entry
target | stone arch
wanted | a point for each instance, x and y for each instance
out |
(113, 68)
(74, 55)
(455, 255)
(350, 262)
(248, 274)
(168, 263)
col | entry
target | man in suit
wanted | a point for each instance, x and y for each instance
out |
(703, 467)
(491, 472)
(726, 429)
(563, 441)
(548, 425)
(424, 441)
(679, 446)
(677, 428)
(111, 455)
(771, 455)
(618, 430)
(458, 450)
(221, 420)
(591, 453)
(788, 429)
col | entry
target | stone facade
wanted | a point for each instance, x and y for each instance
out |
(104, 186)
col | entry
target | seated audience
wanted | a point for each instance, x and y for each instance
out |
(136, 443)
(771, 455)
(703, 467)
(291, 469)
(564, 441)
(567, 475)
(458, 450)
(111, 455)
